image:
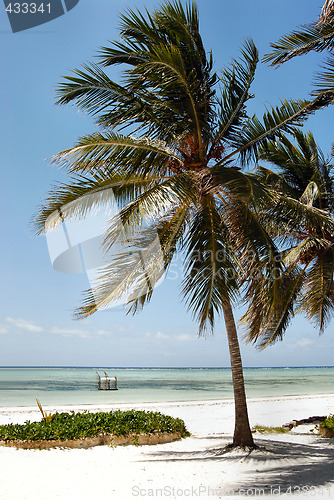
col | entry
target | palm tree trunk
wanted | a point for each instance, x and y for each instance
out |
(242, 432)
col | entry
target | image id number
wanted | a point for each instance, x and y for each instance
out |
(28, 8)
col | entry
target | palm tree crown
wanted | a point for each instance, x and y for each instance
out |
(306, 284)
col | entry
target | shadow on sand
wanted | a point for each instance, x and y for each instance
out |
(285, 466)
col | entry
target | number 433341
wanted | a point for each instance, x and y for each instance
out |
(28, 8)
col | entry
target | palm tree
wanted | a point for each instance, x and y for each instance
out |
(306, 284)
(177, 169)
(318, 36)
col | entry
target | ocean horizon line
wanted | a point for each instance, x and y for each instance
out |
(163, 367)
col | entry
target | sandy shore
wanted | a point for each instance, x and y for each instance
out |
(298, 463)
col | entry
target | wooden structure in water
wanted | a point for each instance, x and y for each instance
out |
(106, 383)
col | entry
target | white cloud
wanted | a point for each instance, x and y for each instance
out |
(184, 337)
(158, 336)
(103, 332)
(13, 324)
(305, 342)
(24, 324)
(78, 332)
(161, 336)
(85, 333)
(67, 331)
(120, 328)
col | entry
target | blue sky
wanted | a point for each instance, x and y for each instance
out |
(36, 325)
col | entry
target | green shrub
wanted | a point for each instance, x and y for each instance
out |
(64, 426)
(328, 423)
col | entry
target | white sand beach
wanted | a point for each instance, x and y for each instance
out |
(298, 463)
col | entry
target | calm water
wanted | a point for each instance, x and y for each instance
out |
(22, 386)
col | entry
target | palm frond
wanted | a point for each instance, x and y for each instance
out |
(272, 305)
(284, 118)
(241, 186)
(317, 299)
(307, 250)
(113, 152)
(91, 89)
(301, 166)
(166, 66)
(133, 272)
(327, 12)
(138, 265)
(118, 105)
(309, 37)
(150, 205)
(166, 52)
(210, 272)
(325, 79)
(171, 24)
(82, 195)
(303, 217)
(170, 229)
(236, 82)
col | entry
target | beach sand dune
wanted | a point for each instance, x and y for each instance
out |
(298, 463)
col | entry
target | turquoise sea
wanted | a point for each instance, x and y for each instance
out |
(72, 386)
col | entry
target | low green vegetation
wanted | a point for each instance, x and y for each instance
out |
(69, 426)
(328, 423)
(263, 429)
